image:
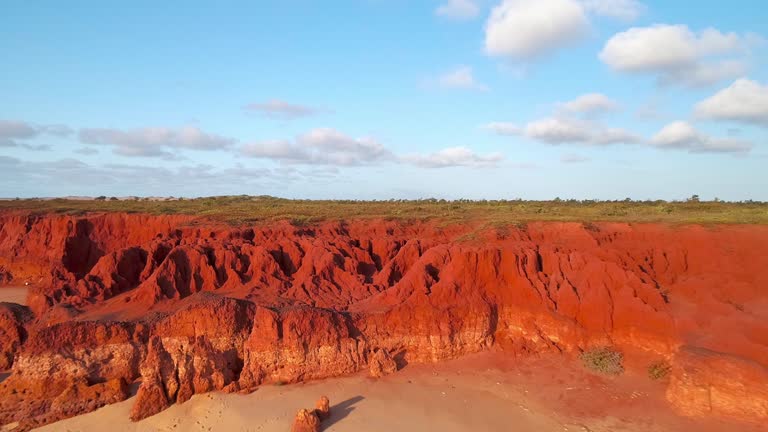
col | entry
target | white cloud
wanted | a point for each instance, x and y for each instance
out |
(71, 176)
(678, 135)
(625, 10)
(563, 130)
(321, 146)
(454, 157)
(331, 148)
(744, 101)
(345, 150)
(503, 128)
(11, 132)
(527, 29)
(280, 109)
(558, 131)
(16, 130)
(682, 135)
(154, 141)
(677, 55)
(660, 47)
(591, 103)
(458, 9)
(460, 78)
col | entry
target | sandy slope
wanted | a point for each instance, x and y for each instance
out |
(13, 294)
(484, 392)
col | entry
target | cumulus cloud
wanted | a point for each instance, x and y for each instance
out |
(72, 176)
(677, 55)
(561, 130)
(678, 135)
(591, 103)
(12, 132)
(625, 10)
(454, 157)
(280, 109)
(460, 78)
(526, 29)
(16, 130)
(558, 131)
(743, 101)
(154, 141)
(682, 135)
(458, 9)
(329, 149)
(323, 146)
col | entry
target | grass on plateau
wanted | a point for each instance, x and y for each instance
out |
(264, 209)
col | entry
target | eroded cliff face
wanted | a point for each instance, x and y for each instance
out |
(184, 306)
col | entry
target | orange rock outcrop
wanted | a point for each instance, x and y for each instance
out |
(306, 421)
(323, 408)
(185, 306)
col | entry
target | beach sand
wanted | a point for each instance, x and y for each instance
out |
(13, 294)
(482, 392)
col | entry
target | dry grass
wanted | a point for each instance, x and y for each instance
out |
(659, 370)
(248, 209)
(605, 360)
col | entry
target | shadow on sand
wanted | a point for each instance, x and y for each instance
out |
(341, 410)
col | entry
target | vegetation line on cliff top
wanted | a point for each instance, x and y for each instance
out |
(255, 209)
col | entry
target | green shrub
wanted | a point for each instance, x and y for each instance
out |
(659, 370)
(605, 360)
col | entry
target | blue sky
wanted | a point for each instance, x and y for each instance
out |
(385, 99)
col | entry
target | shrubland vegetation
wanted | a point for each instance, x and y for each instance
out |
(605, 360)
(256, 209)
(659, 370)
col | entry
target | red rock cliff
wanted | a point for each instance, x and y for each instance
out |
(186, 306)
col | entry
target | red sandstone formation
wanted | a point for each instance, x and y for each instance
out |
(13, 321)
(185, 306)
(323, 408)
(381, 364)
(306, 421)
(309, 421)
(704, 382)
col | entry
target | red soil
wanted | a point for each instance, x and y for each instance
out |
(186, 306)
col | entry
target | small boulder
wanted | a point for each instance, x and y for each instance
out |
(323, 408)
(306, 421)
(381, 363)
